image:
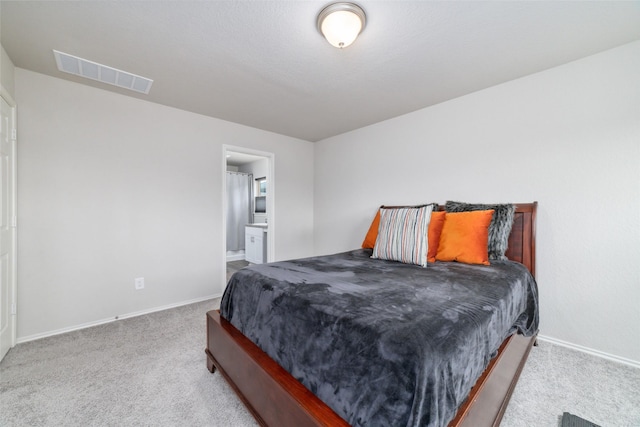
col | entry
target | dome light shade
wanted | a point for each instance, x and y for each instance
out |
(340, 23)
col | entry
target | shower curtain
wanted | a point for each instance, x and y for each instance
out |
(238, 208)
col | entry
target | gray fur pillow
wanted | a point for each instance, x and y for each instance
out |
(500, 226)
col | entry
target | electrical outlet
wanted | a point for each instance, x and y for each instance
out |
(139, 283)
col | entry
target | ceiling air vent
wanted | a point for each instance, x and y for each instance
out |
(102, 73)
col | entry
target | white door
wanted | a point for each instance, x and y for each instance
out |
(7, 226)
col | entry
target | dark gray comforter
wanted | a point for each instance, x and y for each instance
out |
(380, 342)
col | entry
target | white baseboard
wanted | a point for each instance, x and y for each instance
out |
(112, 319)
(235, 256)
(602, 354)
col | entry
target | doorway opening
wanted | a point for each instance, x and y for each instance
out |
(248, 214)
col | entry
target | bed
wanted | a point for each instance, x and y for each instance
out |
(276, 397)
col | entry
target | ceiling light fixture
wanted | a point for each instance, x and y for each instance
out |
(340, 23)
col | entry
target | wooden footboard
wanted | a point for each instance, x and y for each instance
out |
(275, 398)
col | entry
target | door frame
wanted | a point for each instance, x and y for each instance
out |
(13, 283)
(271, 211)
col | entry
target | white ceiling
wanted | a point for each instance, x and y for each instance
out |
(263, 63)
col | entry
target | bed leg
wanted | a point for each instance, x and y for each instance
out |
(210, 366)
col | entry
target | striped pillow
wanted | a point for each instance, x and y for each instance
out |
(402, 235)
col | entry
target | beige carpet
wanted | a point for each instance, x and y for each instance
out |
(144, 371)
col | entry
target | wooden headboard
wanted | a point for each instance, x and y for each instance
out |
(522, 240)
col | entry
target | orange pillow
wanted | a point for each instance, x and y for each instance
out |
(435, 229)
(370, 239)
(464, 237)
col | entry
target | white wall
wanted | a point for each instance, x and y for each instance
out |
(112, 188)
(568, 137)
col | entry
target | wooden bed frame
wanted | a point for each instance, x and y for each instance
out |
(275, 398)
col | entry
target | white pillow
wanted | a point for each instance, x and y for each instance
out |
(403, 235)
